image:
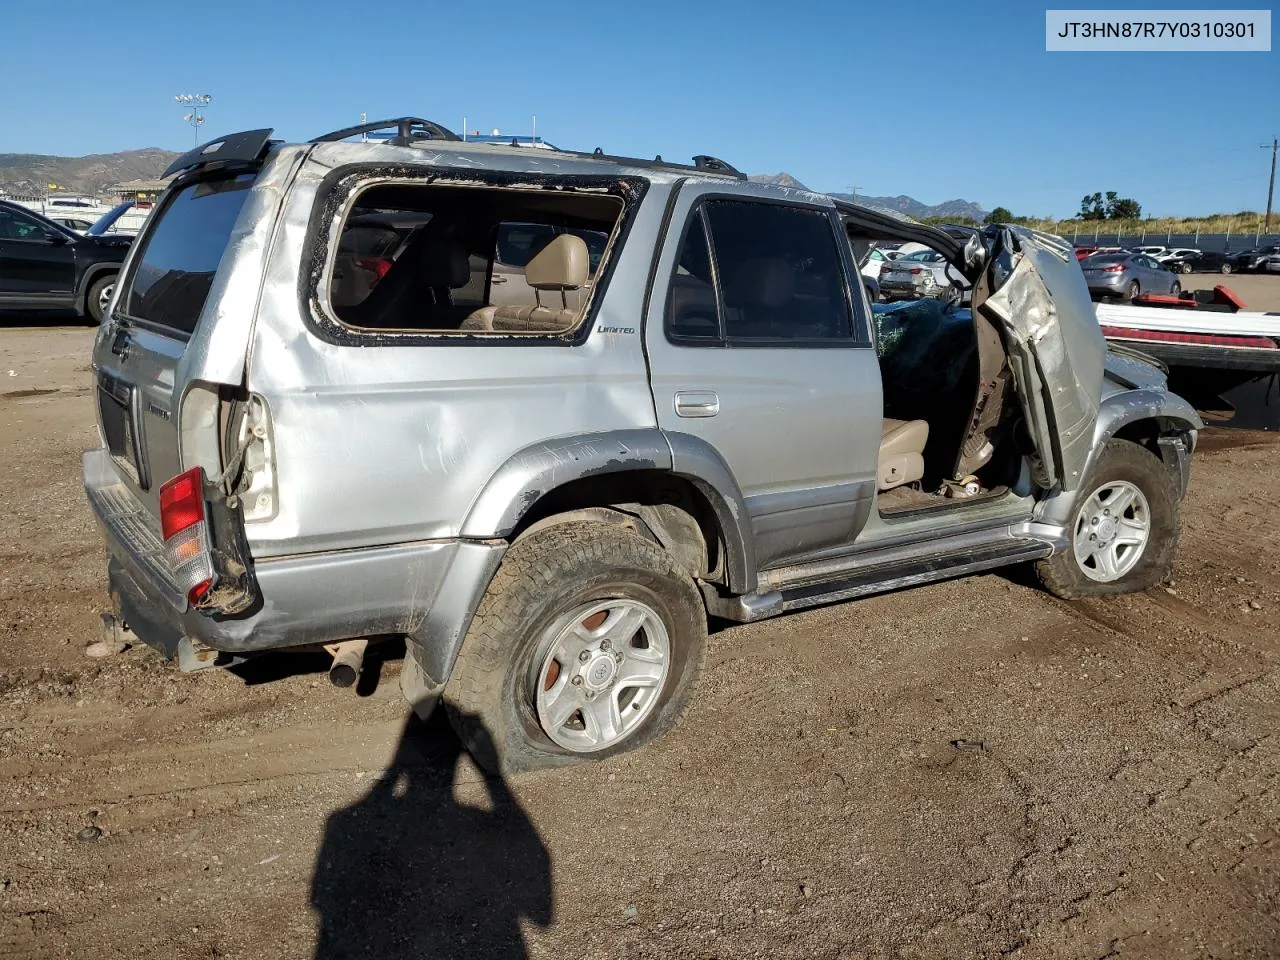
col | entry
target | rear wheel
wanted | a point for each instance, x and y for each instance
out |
(99, 297)
(1133, 290)
(1175, 289)
(587, 643)
(1124, 531)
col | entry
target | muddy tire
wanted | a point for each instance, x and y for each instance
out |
(588, 643)
(1130, 495)
(99, 295)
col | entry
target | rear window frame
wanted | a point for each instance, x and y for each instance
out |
(342, 187)
(137, 250)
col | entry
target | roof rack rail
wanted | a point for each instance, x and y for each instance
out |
(407, 130)
(701, 163)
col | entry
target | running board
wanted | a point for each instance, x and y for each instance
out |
(808, 585)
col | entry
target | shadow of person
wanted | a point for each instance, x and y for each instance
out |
(412, 870)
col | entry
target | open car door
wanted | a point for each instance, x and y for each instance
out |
(1035, 290)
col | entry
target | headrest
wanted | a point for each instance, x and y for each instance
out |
(561, 265)
(761, 282)
(447, 265)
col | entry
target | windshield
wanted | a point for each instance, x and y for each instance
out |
(181, 252)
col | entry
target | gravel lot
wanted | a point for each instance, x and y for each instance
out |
(972, 768)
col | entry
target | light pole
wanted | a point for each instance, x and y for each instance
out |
(196, 102)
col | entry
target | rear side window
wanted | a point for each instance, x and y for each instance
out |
(762, 273)
(472, 260)
(181, 252)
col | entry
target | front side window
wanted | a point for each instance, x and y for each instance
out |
(775, 272)
(16, 226)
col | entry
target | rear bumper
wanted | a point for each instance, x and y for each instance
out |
(426, 590)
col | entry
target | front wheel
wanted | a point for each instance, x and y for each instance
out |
(1124, 530)
(99, 297)
(1225, 269)
(587, 643)
(1186, 268)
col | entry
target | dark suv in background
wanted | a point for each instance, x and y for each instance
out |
(45, 266)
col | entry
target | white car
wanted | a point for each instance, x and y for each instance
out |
(1154, 252)
(1173, 252)
(922, 273)
(876, 258)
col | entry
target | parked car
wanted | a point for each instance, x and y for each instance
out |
(920, 274)
(45, 266)
(1271, 264)
(1197, 261)
(1085, 251)
(875, 259)
(547, 502)
(1254, 259)
(1173, 253)
(74, 224)
(1155, 253)
(1127, 275)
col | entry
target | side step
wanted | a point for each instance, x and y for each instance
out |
(860, 576)
(912, 573)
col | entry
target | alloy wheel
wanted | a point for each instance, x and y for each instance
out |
(599, 673)
(1111, 531)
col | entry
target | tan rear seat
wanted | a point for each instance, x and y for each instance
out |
(901, 452)
(562, 265)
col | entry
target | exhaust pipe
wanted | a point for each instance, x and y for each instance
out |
(348, 660)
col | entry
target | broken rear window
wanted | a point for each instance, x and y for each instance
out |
(440, 258)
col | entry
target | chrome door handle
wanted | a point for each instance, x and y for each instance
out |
(697, 403)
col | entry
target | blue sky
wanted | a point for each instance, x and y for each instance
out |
(933, 99)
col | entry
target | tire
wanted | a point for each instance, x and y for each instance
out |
(508, 663)
(1176, 289)
(951, 296)
(100, 292)
(1121, 463)
(1225, 269)
(1133, 290)
(1186, 268)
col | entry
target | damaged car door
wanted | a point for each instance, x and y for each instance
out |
(1055, 347)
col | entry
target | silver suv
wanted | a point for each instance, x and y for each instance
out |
(691, 411)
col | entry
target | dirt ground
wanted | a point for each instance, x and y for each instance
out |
(969, 769)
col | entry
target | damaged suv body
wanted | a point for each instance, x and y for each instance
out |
(684, 405)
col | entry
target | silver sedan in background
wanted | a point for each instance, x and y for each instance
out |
(1126, 275)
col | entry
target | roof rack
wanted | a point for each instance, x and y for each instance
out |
(408, 129)
(701, 163)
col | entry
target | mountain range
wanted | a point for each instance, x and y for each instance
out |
(901, 204)
(29, 174)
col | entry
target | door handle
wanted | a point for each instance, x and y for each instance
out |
(697, 403)
(497, 278)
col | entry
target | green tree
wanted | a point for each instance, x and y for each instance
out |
(1123, 208)
(1000, 215)
(1091, 207)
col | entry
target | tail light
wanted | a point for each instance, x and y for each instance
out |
(184, 524)
(376, 265)
(1114, 268)
(916, 271)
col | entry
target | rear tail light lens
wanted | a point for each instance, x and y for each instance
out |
(184, 524)
(1117, 268)
(916, 271)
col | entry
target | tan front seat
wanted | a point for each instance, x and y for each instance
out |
(562, 265)
(901, 452)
